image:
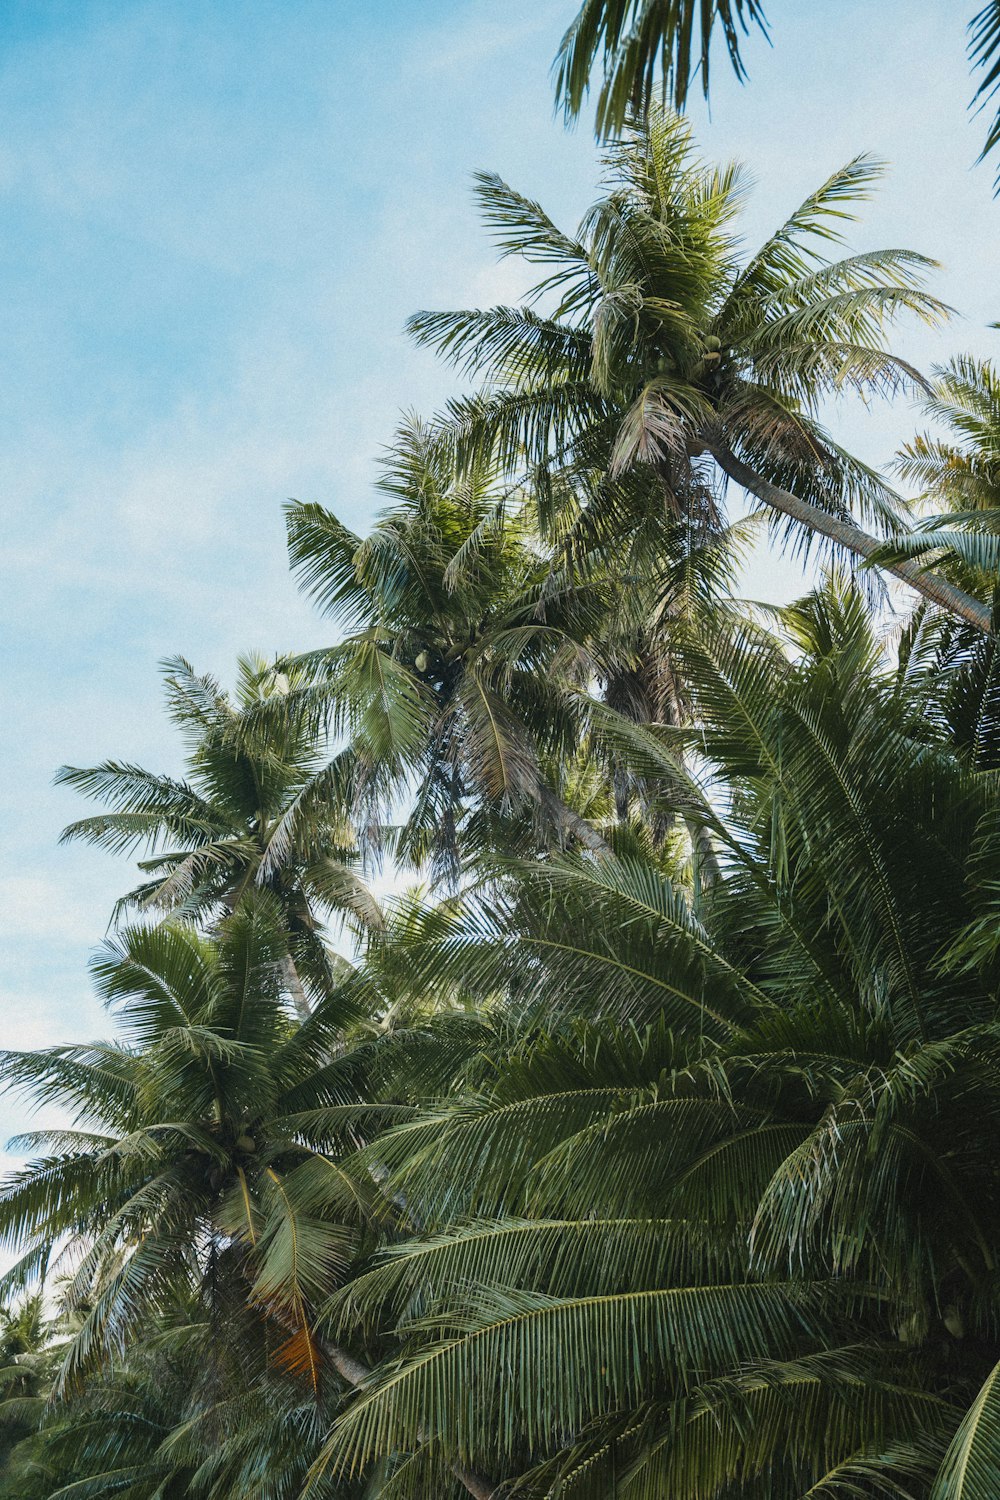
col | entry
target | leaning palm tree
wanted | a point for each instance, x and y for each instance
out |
(621, 46)
(668, 353)
(460, 641)
(222, 831)
(724, 1221)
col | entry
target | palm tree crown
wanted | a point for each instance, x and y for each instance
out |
(172, 1180)
(235, 823)
(670, 351)
(459, 640)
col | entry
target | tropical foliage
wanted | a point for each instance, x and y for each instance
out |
(238, 822)
(460, 639)
(726, 1214)
(671, 352)
(647, 1149)
(629, 50)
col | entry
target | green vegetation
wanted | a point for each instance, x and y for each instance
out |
(633, 50)
(647, 1150)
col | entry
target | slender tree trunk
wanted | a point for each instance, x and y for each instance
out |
(705, 864)
(354, 1372)
(293, 984)
(571, 822)
(707, 868)
(477, 1486)
(932, 586)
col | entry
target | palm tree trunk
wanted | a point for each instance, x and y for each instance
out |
(293, 984)
(578, 827)
(932, 586)
(707, 868)
(354, 1372)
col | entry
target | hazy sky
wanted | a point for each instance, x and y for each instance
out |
(216, 217)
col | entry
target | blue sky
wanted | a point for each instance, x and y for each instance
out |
(214, 220)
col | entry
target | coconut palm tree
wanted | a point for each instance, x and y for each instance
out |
(725, 1220)
(964, 469)
(448, 686)
(28, 1356)
(621, 45)
(223, 830)
(195, 1409)
(172, 1180)
(957, 477)
(669, 353)
(198, 1200)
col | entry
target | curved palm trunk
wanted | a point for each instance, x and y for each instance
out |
(571, 823)
(931, 585)
(293, 984)
(354, 1372)
(708, 871)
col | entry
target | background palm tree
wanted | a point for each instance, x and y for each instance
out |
(172, 1182)
(450, 683)
(957, 477)
(195, 1410)
(226, 828)
(964, 467)
(668, 351)
(201, 1211)
(28, 1357)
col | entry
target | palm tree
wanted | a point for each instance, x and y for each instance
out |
(28, 1355)
(173, 1180)
(957, 478)
(449, 684)
(724, 1220)
(633, 39)
(963, 471)
(196, 1409)
(670, 354)
(110, 1440)
(225, 829)
(199, 1206)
